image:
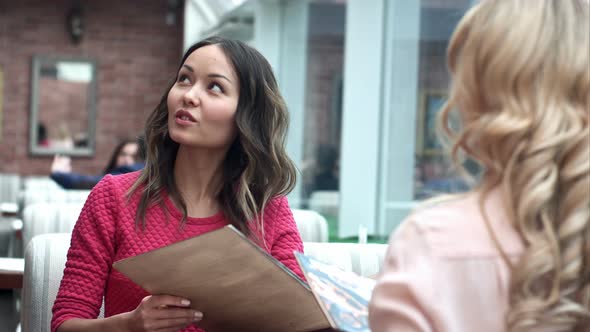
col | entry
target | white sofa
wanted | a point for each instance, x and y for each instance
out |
(46, 255)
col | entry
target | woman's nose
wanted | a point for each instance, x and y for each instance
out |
(192, 97)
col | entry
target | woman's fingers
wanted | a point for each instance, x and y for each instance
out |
(165, 313)
(171, 313)
(169, 329)
(175, 323)
(157, 301)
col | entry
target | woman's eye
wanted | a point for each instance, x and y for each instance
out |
(215, 87)
(183, 79)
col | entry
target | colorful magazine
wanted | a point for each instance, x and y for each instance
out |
(343, 296)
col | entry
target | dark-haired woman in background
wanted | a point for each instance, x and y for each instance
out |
(127, 157)
(215, 156)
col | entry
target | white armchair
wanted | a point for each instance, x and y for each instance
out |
(9, 191)
(362, 259)
(32, 196)
(39, 183)
(311, 225)
(9, 188)
(45, 260)
(326, 202)
(42, 218)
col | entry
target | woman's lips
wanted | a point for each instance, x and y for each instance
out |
(184, 118)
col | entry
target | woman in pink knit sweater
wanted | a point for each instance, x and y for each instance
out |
(215, 156)
(514, 254)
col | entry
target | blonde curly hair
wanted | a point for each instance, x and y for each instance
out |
(519, 105)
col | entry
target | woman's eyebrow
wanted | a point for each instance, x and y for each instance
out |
(212, 75)
(219, 76)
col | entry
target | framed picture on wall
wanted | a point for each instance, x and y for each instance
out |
(427, 143)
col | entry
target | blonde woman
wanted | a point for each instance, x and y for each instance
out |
(514, 254)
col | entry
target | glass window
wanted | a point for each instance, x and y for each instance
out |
(434, 173)
(323, 109)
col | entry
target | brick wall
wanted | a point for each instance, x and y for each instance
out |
(136, 54)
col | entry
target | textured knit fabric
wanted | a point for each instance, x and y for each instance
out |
(106, 232)
(443, 272)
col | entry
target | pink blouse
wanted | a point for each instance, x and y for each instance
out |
(443, 271)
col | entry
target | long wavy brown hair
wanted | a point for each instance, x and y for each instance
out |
(256, 167)
(521, 97)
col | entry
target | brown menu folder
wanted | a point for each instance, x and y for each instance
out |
(236, 284)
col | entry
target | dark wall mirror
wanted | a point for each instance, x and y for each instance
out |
(63, 106)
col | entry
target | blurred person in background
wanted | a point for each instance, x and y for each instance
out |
(127, 157)
(514, 253)
(215, 156)
(323, 171)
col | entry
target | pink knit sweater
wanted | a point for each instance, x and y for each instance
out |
(106, 232)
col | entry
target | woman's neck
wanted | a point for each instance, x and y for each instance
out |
(198, 177)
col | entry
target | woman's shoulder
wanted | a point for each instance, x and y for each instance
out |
(277, 202)
(444, 224)
(114, 185)
(277, 213)
(456, 227)
(276, 206)
(122, 181)
(444, 211)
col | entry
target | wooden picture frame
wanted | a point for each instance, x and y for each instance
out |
(427, 143)
(50, 132)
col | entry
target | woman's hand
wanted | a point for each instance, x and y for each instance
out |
(61, 164)
(162, 313)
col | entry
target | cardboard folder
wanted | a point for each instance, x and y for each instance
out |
(236, 284)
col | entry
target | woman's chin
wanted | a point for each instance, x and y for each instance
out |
(180, 138)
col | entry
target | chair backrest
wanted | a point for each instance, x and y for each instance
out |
(31, 196)
(43, 218)
(9, 188)
(362, 259)
(45, 260)
(39, 182)
(326, 202)
(9, 193)
(311, 225)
